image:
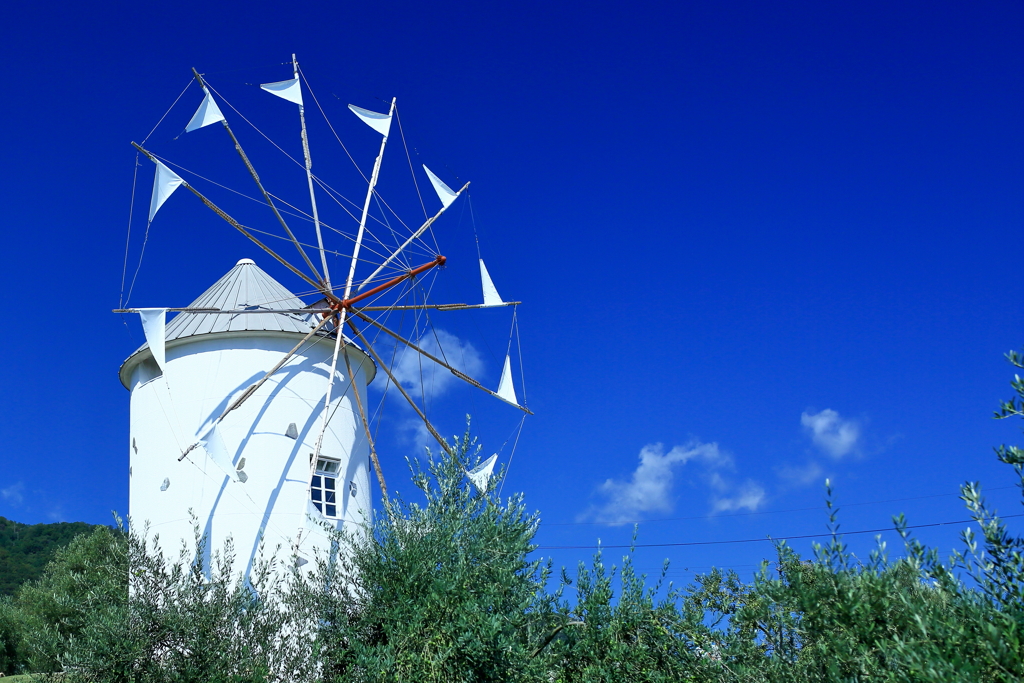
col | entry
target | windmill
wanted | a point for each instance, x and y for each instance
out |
(250, 416)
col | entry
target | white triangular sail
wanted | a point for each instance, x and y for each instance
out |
(506, 390)
(213, 443)
(446, 194)
(379, 122)
(154, 325)
(165, 182)
(207, 113)
(480, 475)
(491, 297)
(287, 90)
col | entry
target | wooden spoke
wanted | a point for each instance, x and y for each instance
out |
(259, 184)
(239, 227)
(415, 235)
(251, 390)
(366, 426)
(398, 385)
(458, 373)
(433, 307)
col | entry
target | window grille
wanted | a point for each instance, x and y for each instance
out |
(323, 490)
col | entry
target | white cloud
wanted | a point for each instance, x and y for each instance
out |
(650, 487)
(420, 374)
(717, 482)
(749, 497)
(14, 494)
(811, 473)
(831, 433)
(416, 432)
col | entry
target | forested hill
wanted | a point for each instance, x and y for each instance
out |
(26, 548)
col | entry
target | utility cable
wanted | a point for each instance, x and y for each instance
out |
(758, 540)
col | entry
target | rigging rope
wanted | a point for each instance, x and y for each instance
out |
(472, 220)
(519, 349)
(295, 161)
(145, 241)
(131, 210)
(128, 239)
(334, 194)
(298, 213)
(515, 445)
(411, 170)
(190, 81)
(394, 236)
(338, 138)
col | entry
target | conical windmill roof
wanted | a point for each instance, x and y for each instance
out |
(248, 287)
(244, 287)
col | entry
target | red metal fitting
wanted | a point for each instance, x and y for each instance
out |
(347, 303)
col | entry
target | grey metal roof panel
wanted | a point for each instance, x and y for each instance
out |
(246, 286)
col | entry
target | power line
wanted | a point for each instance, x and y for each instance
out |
(757, 540)
(764, 512)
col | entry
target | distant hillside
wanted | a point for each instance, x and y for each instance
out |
(26, 548)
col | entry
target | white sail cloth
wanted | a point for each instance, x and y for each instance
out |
(154, 325)
(379, 122)
(165, 182)
(506, 389)
(287, 90)
(207, 113)
(217, 450)
(446, 194)
(491, 297)
(480, 475)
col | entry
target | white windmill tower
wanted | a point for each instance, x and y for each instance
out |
(249, 412)
(253, 481)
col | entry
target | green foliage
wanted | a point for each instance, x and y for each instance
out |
(11, 630)
(445, 591)
(84, 578)
(633, 636)
(436, 592)
(183, 621)
(26, 548)
(836, 619)
(108, 608)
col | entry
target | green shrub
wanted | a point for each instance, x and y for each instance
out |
(446, 591)
(439, 592)
(179, 620)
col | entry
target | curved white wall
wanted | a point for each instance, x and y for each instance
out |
(203, 375)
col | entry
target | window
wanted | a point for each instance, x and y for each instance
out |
(323, 490)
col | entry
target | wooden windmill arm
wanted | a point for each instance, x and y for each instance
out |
(455, 371)
(252, 389)
(238, 226)
(380, 362)
(259, 184)
(366, 428)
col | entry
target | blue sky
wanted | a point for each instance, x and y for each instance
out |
(757, 245)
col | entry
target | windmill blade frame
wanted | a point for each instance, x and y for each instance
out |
(340, 311)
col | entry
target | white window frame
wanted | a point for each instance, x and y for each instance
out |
(323, 490)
